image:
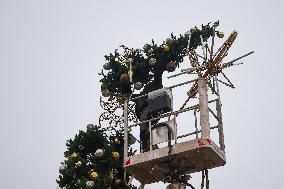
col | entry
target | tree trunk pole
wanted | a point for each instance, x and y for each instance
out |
(220, 126)
(203, 107)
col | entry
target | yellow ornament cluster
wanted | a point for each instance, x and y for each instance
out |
(106, 93)
(115, 155)
(129, 129)
(117, 181)
(78, 164)
(116, 141)
(73, 155)
(194, 29)
(220, 34)
(166, 48)
(121, 98)
(93, 175)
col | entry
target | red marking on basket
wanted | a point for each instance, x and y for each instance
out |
(200, 143)
(127, 163)
(209, 141)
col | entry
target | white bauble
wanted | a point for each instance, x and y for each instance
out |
(99, 153)
(169, 41)
(62, 168)
(90, 184)
(146, 46)
(152, 61)
(187, 34)
(150, 51)
(138, 85)
(78, 182)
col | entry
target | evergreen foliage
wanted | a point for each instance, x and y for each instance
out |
(83, 149)
(150, 63)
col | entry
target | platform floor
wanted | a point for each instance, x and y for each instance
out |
(189, 157)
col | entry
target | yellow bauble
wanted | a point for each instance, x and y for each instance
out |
(117, 181)
(116, 141)
(129, 129)
(192, 30)
(73, 155)
(106, 93)
(220, 34)
(121, 99)
(78, 164)
(166, 48)
(93, 175)
(115, 155)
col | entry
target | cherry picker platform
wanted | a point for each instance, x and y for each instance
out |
(179, 158)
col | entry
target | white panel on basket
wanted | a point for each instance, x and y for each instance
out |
(160, 134)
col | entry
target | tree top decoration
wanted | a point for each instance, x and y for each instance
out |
(135, 68)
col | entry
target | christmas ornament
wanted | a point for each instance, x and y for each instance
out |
(171, 66)
(93, 175)
(192, 30)
(138, 85)
(129, 129)
(121, 99)
(115, 155)
(62, 168)
(117, 181)
(90, 184)
(152, 61)
(99, 153)
(106, 93)
(116, 141)
(169, 41)
(220, 34)
(81, 147)
(166, 48)
(73, 155)
(78, 182)
(124, 78)
(90, 126)
(150, 51)
(78, 164)
(187, 34)
(106, 66)
(146, 47)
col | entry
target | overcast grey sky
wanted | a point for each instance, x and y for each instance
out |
(52, 50)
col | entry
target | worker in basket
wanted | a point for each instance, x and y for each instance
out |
(156, 102)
